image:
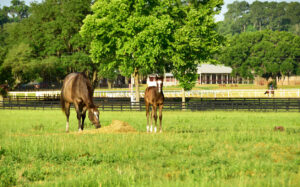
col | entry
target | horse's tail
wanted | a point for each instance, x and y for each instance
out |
(62, 101)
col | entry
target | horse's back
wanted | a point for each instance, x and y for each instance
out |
(75, 86)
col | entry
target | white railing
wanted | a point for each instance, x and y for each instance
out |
(280, 93)
(34, 94)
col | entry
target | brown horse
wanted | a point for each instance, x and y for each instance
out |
(78, 90)
(154, 96)
(270, 92)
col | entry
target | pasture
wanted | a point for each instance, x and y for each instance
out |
(195, 149)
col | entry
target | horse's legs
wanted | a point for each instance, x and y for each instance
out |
(83, 114)
(160, 117)
(147, 115)
(79, 112)
(67, 112)
(155, 117)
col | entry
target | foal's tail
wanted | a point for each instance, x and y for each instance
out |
(62, 102)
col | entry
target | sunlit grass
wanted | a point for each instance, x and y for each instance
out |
(195, 149)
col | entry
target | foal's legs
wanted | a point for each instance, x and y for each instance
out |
(67, 112)
(160, 117)
(147, 115)
(152, 113)
(155, 116)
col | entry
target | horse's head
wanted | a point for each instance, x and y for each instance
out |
(159, 83)
(94, 117)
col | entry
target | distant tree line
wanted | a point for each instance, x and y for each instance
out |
(269, 54)
(263, 39)
(42, 42)
(242, 17)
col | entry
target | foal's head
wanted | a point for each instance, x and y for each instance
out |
(159, 83)
(94, 117)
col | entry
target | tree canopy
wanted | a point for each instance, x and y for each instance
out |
(153, 36)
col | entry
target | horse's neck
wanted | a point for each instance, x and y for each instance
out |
(89, 102)
(159, 93)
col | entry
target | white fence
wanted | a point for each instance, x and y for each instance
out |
(280, 93)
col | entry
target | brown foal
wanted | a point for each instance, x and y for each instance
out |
(154, 96)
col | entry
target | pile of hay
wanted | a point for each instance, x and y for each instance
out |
(116, 126)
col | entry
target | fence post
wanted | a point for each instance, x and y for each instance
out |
(10, 103)
(1, 101)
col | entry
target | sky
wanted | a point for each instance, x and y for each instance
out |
(219, 17)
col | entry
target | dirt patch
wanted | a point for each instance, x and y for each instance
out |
(116, 126)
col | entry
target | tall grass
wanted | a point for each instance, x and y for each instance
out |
(195, 149)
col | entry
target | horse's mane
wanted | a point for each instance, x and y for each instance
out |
(88, 84)
(89, 87)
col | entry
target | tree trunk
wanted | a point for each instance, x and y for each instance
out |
(95, 80)
(259, 26)
(1, 100)
(136, 83)
(109, 84)
(183, 99)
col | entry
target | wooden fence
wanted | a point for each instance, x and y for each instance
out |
(194, 104)
(234, 93)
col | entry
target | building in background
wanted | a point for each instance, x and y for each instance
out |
(207, 74)
(215, 74)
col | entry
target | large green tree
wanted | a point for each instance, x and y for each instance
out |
(153, 36)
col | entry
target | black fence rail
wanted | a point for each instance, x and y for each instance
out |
(195, 104)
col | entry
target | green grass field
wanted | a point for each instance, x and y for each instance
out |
(195, 149)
